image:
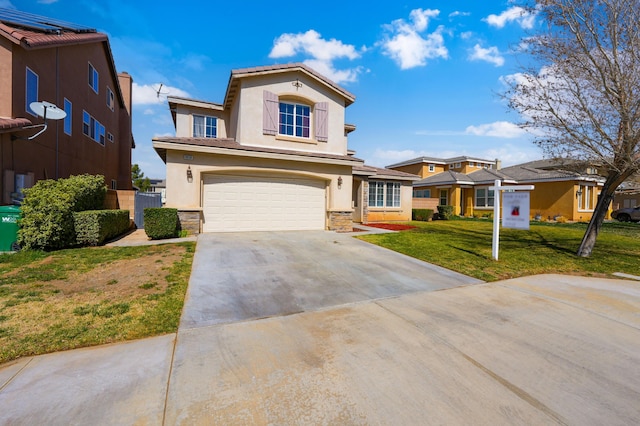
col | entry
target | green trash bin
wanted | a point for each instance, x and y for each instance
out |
(9, 216)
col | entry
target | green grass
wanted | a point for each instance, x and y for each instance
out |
(84, 297)
(465, 246)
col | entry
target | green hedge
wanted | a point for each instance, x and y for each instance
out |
(424, 215)
(445, 212)
(94, 227)
(47, 210)
(161, 223)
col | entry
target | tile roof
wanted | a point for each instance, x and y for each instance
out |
(434, 160)
(232, 145)
(380, 173)
(36, 39)
(445, 178)
(13, 123)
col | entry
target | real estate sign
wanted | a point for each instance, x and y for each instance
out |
(515, 210)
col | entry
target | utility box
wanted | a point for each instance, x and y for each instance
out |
(9, 216)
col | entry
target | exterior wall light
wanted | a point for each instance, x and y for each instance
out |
(340, 182)
(189, 175)
(578, 193)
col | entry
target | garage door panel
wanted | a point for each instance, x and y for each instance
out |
(262, 203)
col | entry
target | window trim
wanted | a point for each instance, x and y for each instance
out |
(385, 193)
(205, 125)
(432, 168)
(486, 203)
(29, 99)
(94, 79)
(421, 193)
(586, 195)
(68, 120)
(295, 115)
(445, 193)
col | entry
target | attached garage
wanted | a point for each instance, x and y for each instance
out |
(234, 203)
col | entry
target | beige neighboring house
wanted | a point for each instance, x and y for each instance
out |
(272, 156)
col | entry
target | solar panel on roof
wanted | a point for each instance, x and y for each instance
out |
(40, 23)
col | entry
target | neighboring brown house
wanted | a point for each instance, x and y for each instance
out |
(71, 66)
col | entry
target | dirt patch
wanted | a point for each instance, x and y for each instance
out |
(126, 277)
(391, 226)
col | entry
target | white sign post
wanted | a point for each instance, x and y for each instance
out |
(515, 217)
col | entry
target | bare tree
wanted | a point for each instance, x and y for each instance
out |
(580, 98)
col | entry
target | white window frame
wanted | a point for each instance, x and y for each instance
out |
(68, 120)
(393, 192)
(295, 126)
(207, 129)
(585, 200)
(488, 198)
(457, 166)
(472, 164)
(94, 79)
(110, 137)
(432, 168)
(28, 98)
(385, 194)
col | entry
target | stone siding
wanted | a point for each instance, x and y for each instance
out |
(190, 221)
(341, 221)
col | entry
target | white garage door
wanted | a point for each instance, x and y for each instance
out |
(262, 203)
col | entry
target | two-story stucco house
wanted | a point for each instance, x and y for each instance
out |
(272, 156)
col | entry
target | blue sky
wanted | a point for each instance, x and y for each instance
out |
(426, 75)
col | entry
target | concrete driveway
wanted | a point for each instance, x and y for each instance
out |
(265, 343)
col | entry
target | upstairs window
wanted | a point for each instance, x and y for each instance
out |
(93, 78)
(68, 108)
(93, 128)
(110, 99)
(31, 89)
(432, 168)
(294, 120)
(205, 126)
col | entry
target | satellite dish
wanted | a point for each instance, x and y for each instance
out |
(47, 110)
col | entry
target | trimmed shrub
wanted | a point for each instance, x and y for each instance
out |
(160, 223)
(94, 227)
(445, 212)
(48, 207)
(424, 215)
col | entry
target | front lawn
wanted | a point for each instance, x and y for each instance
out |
(89, 296)
(465, 246)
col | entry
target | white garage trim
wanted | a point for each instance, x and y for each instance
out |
(262, 202)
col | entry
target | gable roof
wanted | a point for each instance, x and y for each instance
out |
(13, 123)
(238, 74)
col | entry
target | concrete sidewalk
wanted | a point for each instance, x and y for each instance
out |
(547, 349)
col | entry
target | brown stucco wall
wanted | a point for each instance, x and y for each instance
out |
(63, 73)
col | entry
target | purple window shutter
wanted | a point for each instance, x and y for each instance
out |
(270, 113)
(321, 112)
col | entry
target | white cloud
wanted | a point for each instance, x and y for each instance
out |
(498, 129)
(466, 35)
(147, 94)
(323, 53)
(515, 14)
(405, 44)
(458, 13)
(491, 55)
(47, 1)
